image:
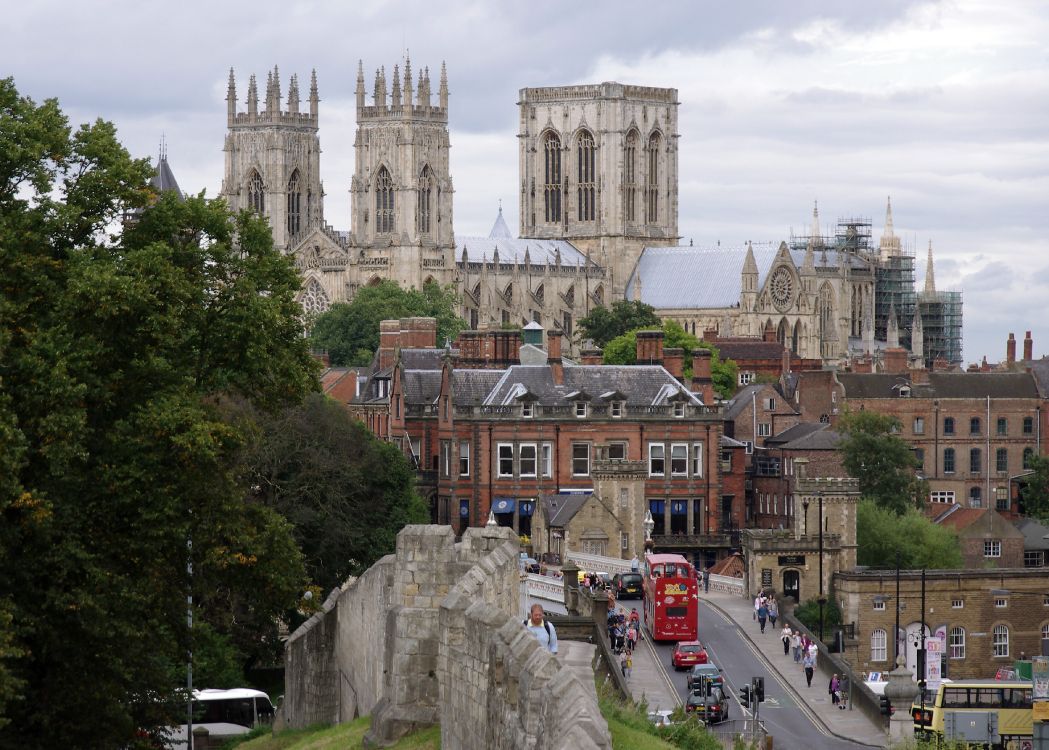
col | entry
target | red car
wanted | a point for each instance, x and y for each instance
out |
(688, 653)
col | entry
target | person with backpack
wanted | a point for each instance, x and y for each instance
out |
(541, 629)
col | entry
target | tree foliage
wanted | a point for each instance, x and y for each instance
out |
(881, 533)
(114, 344)
(875, 454)
(606, 323)
(1035, 491)
(349, 331)
(622, 350)
(345, 493)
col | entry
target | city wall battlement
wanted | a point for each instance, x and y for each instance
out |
(433, 634)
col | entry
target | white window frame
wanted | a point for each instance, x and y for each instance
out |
(992, 547)
(464, 458)
(574, 459)
(1000, 641)
(879, 605)
(919, 426)
(879, 645)
(746, 378)
(662, 448)
(446, 458)
(615, 409)
(942, 496)
(674, 448)
(957, 604)
(764, 429)
(580, 409)
(1001, 602)
(527, 409)
(679, 409)
(768, 404)
(499, 458)
(546, 460)
(697, 460)
(956, 643)
(521, 459)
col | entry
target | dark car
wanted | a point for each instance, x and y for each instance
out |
(710, 706)
(628, 585)
(697, 676)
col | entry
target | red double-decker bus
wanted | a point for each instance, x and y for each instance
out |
(671, 598)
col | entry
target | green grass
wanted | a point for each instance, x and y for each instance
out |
(344, 737)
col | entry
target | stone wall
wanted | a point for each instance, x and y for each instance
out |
(434, 634)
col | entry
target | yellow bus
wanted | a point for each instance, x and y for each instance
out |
(1011, 700)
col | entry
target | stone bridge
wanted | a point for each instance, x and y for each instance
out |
(433, 634)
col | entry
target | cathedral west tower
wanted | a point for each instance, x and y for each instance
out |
(599, 167)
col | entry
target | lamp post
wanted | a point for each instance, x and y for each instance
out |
(822, 599)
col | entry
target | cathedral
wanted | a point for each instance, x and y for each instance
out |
(598, 222)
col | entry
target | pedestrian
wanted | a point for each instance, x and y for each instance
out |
(833, 688)
(773, 606)
(629, 663)
(622, 663)
(763, 614)
(795, 642)
(757, 605)
(631, 637)
(706, 580)
(635, 565)
(541, 629)
(785, 636)
(843, 692)
(809, 663)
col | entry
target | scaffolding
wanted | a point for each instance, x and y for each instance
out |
(942, 323)
(894, 290)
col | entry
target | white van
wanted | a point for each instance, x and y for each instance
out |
(224, 713)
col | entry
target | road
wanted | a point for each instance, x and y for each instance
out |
(784, 718)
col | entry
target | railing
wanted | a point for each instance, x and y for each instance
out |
(545, 587)
(727, 584)
(746, 729)
(420, 410)
(598, 563)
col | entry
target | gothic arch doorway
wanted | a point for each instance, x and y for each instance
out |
(792, 584)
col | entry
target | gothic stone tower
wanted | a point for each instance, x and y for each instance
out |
(599, 167)
(402, 189)
(273, 158)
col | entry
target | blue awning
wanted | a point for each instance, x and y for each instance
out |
(464, 508)
(503, 505)
(679, 508)
(526, 508)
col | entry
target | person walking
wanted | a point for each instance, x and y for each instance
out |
(809, 663)
(706, 580)
(631, 637)
(763, 615)
(795, 642)
(834, 689)
(629, 663)
(622, 663)
(541, 629)
(843, 692)
(785, 636)
(773, 606)
(757, 606)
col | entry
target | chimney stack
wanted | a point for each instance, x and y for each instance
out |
(649, 347)
(770, 334)
(389, 338)
(784, 368)
(702, 382)
(553, 357)
(1010, 349)
(895, 360)
(1028, 347)
(674, 361)
(591, 357)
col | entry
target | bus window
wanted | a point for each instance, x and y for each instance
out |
(955, 698)
(1016, 698)
(987, 698)
(657, 571)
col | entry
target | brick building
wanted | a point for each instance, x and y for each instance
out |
(987, 618)
(986, 539)
(758, 412)
(773, 475)
(763, 359)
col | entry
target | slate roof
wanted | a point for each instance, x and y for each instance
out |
(562, 507)
(164, 179)
(1040, 372)
(796, 432)
(741, 400)
(1036, 536)
(421, 386)
(424, 359)
(728, 442)
(643, 385)
(824, 439)
(941, 385)
(689, 277)
(470, 387)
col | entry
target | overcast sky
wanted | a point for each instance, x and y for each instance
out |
(942, 105)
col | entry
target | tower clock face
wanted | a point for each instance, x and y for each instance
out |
(781, 288)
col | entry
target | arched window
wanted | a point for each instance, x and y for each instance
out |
(508, 293)
(570, 295)
(294, 204)
(585, 162)
(948, 425)
(256, 194)
(974, 426)
(1000, 641)
(782, 332)
(795, 336)
(956, 643)
(599, 295)
(540, 292)
(552, 177)
(383, 202)
(652, 179)
(314, 299)
(879, 647)
(426, 187)
(630, 177)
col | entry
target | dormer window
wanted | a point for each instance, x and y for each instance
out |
(527, 409)
(905, 391)
(580, 409)
(679, 409)
(616, 409)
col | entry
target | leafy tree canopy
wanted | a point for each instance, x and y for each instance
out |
(875, 454)
(606, 323)
(115, 344)
(349, 331)
(346, 493)
(881, 533)
(622, 350)
(1035, 492)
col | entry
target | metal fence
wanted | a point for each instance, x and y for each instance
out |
(749, 730)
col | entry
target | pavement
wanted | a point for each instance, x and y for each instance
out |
(649, 680)
(850, 725)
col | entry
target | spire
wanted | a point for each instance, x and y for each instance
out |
(253, 96)
(269, 91)
(360, 85)
(814, 234)
(918, 335)
(408, 84)
(443, 91)
(889, 245)
(231, 98)
(888, 218)
(276, 90)
(421, 97)
(892, 334)
(750, 270)
(314, 97)
(499, 228)
(930, 278)
(380, 86)
(293, 95)
(395, 101)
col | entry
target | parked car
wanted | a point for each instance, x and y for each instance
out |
(531, 565)
(628, 585)
(688, 653)
(660, 718)
(702, 672)
(711, 707)
(606, 580)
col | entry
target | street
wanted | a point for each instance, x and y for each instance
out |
(789, 723)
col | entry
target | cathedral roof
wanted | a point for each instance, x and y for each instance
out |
(164, 179)
(540, 252)
(499, 228)
(695, 277)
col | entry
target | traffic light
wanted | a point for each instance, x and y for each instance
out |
(759, 689)
(885, 706)
(744, 696)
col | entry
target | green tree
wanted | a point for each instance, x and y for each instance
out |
(875, 454)
(1035, 493)
(115, 344)
(349, 331)
(881, 533)
(605, 323)
(345, 493)
(622, 350)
